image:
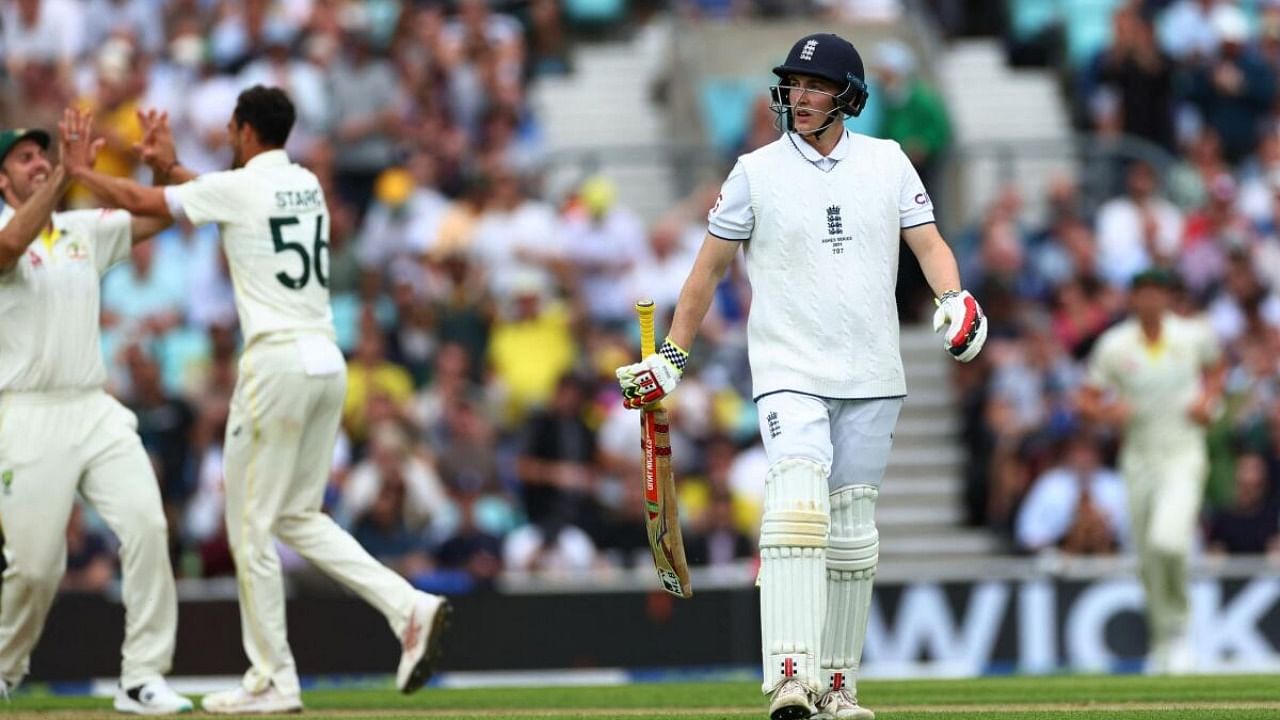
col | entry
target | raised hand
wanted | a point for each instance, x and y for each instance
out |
(75, 140)
(156, 148)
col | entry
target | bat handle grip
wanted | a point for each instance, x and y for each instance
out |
(648, 339)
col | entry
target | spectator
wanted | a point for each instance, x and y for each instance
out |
(42, 31)
(299, 77)
(557, 458)
(718, 541)
(91, 564)
(1078, 505)
(370, 374)
(1248, 526)
(417, 494)
(515, 235)
(533, 326)
(1141, 75)
(602, 243)
(912, 113)
(470, 548)
(661, 266)
(165, 424)
(1234, 90)
(139, 304)
(381, 530)
(1137, 229)
(405, 216)
(366, 115)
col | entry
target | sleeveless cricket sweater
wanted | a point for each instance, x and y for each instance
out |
(823, 265)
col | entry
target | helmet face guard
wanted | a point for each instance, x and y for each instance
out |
(850, 101)
(831, 58)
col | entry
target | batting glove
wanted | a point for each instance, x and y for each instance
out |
(964, 326)
(653, 378)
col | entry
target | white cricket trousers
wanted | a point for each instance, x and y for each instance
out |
(1166, 489)
(279, 449)
(51, 445)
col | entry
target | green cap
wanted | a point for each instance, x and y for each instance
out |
(1154, 277)
(9, 138)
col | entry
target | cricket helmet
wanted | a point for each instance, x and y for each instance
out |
(832, 58)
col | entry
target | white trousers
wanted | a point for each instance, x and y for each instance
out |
(851, 438)
(51, 445)
(279, 449)
(1166, 489)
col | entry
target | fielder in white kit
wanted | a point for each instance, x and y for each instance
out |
(1158, 377)
(61, 433)
(288, 399)
(818, 214)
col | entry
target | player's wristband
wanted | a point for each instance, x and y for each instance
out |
(674, 354)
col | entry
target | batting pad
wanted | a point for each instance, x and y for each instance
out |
(793, 542)
(852, 554)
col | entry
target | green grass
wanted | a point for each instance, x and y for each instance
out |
(1234, 697)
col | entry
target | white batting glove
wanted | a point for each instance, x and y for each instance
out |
(653, 378)
(964, 326)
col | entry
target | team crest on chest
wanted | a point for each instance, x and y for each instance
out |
(835, 231)
(77, 250)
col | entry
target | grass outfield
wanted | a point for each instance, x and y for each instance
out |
(1234, 697)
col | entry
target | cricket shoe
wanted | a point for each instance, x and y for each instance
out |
(790, 701)
(239, 701)
(153, 698)
(1181, 657)
(841, 704)
(421, 641)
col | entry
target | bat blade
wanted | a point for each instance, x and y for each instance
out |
(662, 515)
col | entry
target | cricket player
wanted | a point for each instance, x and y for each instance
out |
(61, 433)
(1159, 378)
(288, 399)
(818, 214)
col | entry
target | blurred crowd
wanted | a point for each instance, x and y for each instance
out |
(1197, 78)
(482, 315)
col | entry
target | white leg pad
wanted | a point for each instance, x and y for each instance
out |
(852, 555)
(793, 542)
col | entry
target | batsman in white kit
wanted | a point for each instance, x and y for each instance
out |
(288, 399)
(61, 433)
(818, 214)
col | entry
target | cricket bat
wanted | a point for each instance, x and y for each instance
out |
(661, 513)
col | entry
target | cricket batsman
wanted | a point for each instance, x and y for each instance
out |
(1159, 377)
(287, 402)
(818, 214)
(61, 433)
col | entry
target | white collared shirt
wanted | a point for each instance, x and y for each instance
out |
(732, 218)
(275, 231)
(50, 302)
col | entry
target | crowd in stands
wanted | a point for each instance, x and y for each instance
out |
(1197, 78)
(482, 315)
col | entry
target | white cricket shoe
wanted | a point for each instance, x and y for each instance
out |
(153, 698)
(841, 704)
(1181, 657)
(420, 641)
(790, 701)
(239, 701)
